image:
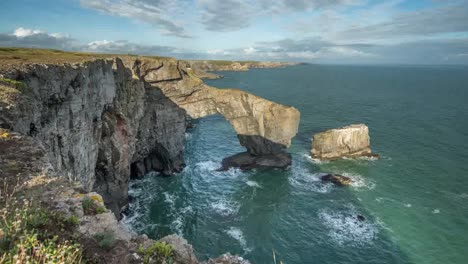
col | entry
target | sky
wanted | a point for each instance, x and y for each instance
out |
(316, 31)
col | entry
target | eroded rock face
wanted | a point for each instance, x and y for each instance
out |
(95, 121)
(263, 127)
(347, 142)
(105, 120)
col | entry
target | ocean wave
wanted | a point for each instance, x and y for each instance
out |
(301, 178)
(346, 229)
(169, 198)
(225, 207)
(253, 184)
(208, 165)
(177, 225)
(359, 181)
(211, 167)
(238, 235)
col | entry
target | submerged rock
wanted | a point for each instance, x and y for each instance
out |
(339, 180)
(347, 142)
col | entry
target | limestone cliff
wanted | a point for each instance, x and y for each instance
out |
(265, 128)
(95, 120)
(102, 121)
(347, 142)
(212, 65)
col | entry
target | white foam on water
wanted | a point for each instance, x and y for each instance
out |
(358, 181)
(253, 184)
(225, 207)
(369, 158)
(408, 205)
(169, 198)
(302, 178)
(436, 211)
(238, 235)
(177, 225)
(211, 167)
(207, 166)
(187, 209)
(188, 136)
(319, 162)
(234, 172)
(345, 229)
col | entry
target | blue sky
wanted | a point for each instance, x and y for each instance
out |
(319, 31)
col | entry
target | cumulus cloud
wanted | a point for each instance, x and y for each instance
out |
(126, 47)
(35, 38)
(310, 49)
(156, 13)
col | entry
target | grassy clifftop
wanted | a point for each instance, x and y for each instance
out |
(17, 56)
(10, 56)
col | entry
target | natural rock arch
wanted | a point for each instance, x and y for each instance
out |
(265, 128)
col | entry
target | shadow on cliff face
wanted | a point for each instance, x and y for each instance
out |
(143, 132)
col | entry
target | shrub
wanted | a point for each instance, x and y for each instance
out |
(105, 240)
(90, 207)
(23, 238)
(159, 252)
(73, 220)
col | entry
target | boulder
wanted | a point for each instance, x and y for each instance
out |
(339, 180)
(346, 142)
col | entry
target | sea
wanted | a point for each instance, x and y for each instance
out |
(414, 198)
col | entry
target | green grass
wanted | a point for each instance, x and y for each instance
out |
(159, 252)
(21, 86)
(15, 56)
(28, 235)
(90, 207)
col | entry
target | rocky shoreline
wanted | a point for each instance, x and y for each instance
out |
(101, 121)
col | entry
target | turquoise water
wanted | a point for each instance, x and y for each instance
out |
(415, 198)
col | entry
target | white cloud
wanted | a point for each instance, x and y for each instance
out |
(24, 32)
(160, 14)
(250, 50)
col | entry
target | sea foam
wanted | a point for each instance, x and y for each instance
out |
(346, 229)
(225, 207)
(238, 235)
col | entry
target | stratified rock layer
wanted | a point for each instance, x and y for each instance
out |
(263, 127)
(346, 142)
(105, 120)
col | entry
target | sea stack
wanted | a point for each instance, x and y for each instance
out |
(346, 142)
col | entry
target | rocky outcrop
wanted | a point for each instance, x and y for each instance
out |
(105, 120)
(25, 169)
(96, 121)
(347, 142)
(265, 128)
(339, 180)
